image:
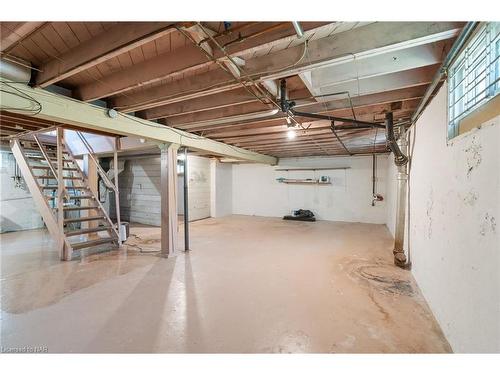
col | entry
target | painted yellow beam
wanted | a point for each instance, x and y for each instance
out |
(58, 108)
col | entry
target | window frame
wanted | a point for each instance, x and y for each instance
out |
(477, 67)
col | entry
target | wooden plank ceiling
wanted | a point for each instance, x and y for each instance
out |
(219, 79)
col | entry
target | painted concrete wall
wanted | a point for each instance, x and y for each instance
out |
(199, 187)
(454, 234)
(17, 209)
(348, 198)
(222, 188)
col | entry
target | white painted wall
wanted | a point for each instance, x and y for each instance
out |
(454, 233)
(221, 188)
(17, 209)
(348, 198)
(199, 187)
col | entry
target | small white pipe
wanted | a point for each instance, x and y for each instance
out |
(298, 29)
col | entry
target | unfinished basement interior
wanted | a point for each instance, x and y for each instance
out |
(250, 187)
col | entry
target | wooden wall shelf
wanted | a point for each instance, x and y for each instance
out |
(302, 181)
(311, 169)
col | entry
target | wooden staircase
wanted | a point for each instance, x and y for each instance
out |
(71, 210)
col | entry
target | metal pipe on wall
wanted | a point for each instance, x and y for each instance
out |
(400, 258)
(399, 157)
(186, 205)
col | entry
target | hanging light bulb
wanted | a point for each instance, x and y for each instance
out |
(291, 133)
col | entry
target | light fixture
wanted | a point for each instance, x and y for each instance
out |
(112, 113)
(291, 133)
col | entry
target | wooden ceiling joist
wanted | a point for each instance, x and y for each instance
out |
(55, 107)
(238, 96)
(222, 101)
(179, 61)
(365, 40)
(119, 39)
(14, 32)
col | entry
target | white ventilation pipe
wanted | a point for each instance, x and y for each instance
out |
(229, 119)
(15, 72)
(298, 29)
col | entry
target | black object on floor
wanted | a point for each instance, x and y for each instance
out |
(300, 215)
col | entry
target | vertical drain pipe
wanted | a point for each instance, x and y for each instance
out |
(400, 259)
(186, 205)
(400, 150)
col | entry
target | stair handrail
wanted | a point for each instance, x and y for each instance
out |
(90, 150)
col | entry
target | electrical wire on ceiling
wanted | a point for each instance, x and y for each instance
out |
(221, 65)
(241, 71)
(182, 134)
(31, 112)
(166, 97)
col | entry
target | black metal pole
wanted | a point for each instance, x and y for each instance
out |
(186, 205)
(374, 160)
(358, 124)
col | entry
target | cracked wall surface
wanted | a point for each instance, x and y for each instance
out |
(454, 237)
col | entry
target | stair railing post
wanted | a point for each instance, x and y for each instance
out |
(116, 189)
(63, 251)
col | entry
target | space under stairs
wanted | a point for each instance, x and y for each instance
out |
(83, 222)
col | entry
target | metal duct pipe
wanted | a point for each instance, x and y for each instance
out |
(298, 29)
(12, 71)
(400, 259)
(399, 158)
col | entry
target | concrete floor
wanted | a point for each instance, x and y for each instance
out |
(250, 284)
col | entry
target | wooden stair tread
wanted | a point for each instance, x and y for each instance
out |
(79, 208)
(48, 168)
(33, 150)
(86, 231)
(36, 157)
(86, 218)
(64, 177)
(49, 187)
(73, 197)
(82, 245)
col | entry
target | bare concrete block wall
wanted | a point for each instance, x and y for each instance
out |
(139, 185)
(454, 232)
